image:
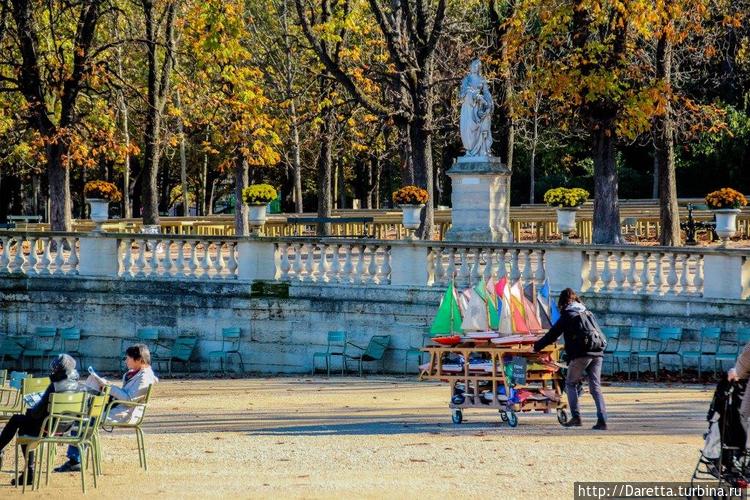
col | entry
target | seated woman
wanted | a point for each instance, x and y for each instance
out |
(64, 378)
(135, 384)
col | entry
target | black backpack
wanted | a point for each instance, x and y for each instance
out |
(588, 337)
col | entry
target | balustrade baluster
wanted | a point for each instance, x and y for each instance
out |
(232, 259)
(179, 266)
(310, 262)
(464, 272)
(541, 270)
(59, 260)
(5, 255)
(298, 262)
(451, 266)
(219, 264)
(672, 274)
(193, 263)
(206, 263)
(698, 279)
(348, 265)
(32, 256)
(360, 276)
(284, 265)
(515, 272)
(437, 263)
(46, 260)
(127, 257)
(324, 267)
(684, 278)
(73, 257)
(621, 280)
(594, 270)
(167, 260)
(633, 273)
(140, 263)
(384, 276)
(606, 273)
(659, 282)
(502, 269)
(372, 269)
(155, 258)
(336, 263)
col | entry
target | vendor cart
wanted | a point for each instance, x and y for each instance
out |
(508, 377)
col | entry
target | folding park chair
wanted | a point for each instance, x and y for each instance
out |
(374, 352)
(230, 345)
(336, 346)
(135, 421)
(709, 344)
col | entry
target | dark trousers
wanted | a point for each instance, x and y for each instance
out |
(578, 368)
(24, 425)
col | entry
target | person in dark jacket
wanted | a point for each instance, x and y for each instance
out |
(581, 363)
(64, 378)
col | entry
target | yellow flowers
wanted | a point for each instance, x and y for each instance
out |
(564, 197)
(259, 194)
(410, 195)
(725, 198)
(102, 190)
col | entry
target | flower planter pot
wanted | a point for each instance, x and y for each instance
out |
(411, 217)
(257, 217)
(726, 223)
(566, 222)
(99, 211)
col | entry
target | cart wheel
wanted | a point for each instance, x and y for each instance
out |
(562, 416)
(512, 418)
(457, 417)
(503, 416)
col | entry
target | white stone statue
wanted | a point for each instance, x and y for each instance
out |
(476, 112)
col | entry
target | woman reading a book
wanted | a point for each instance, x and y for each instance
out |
(135, 384)
(64, 378)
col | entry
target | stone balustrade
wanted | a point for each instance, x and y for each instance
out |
(632, 270)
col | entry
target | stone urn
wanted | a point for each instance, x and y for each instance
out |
(99, 211)
(411, 218)
(256, 217)
(566, 222)
(726, 223)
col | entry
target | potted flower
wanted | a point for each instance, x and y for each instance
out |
(257, 197)
(726, 204)
(567, 202)
(411, 199)
(99, 194)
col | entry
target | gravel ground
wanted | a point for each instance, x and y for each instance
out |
(383, 437)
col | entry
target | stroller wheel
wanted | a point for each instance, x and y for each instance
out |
(562, 416)
(457, 417)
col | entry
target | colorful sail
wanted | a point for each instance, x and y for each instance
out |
(529, 306)
(448, 318)
(493, 314)
(517, 312)
(543, 305)
(474, 310)
(502, 291)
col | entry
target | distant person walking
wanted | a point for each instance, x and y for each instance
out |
(584, 346)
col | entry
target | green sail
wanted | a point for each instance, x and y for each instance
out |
(448, 318)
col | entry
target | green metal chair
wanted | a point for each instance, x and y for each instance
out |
(11, 349)
(708, 346)
(613, 335)
(336, 346)
(742, 337)
(182, 351)
(70, 343)
(64, 409)
(3, 377)
(670, 341)
(39, 346)
(643, 347)
(135, 422)
(374, 352)
(416, 352)
(626, 348)
(11, 401)
(230, 345)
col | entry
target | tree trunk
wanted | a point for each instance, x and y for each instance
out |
(149, 192)
(669, 215)
(423, 176)
(297, 162)
(606, 204)
(58, 177)
(655, 181)
(183, 160)
(325, 170)
(534, 142)
(341, 184)
(204, 182)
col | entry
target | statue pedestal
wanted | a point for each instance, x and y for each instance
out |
(480, 199)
